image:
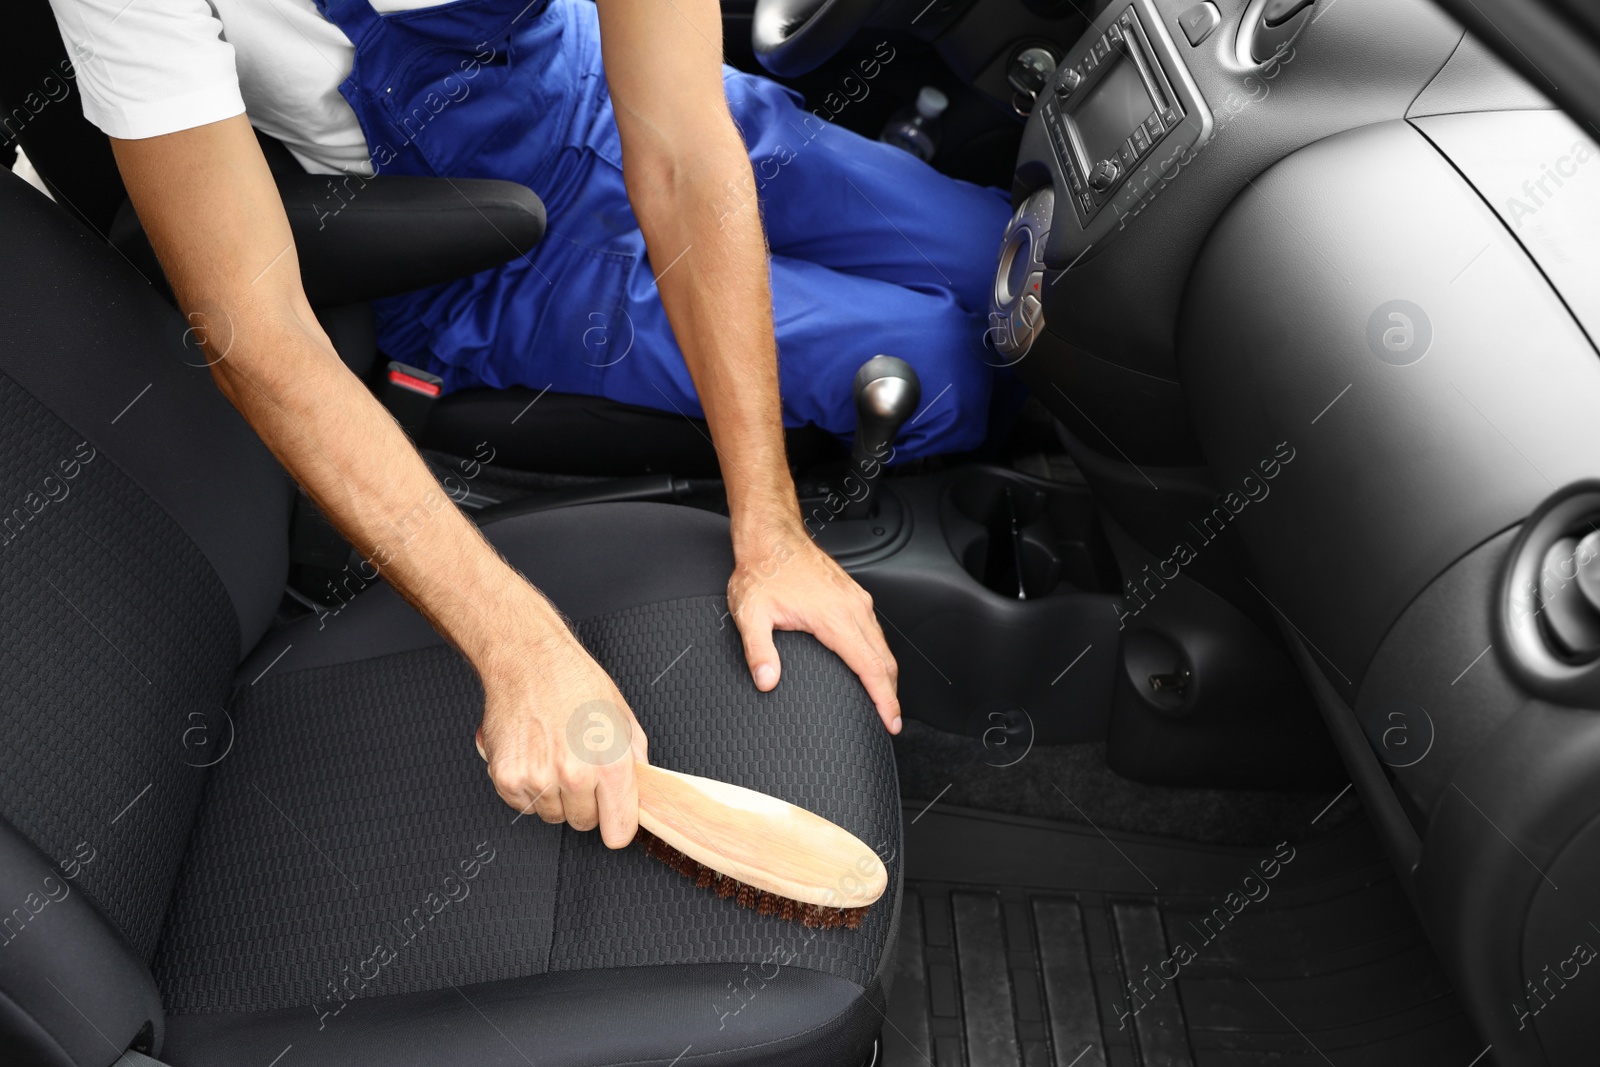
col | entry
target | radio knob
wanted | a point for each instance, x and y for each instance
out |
(1104, 175)
(1070, 79)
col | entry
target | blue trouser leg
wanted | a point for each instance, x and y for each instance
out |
(860, 207)
(873, 251)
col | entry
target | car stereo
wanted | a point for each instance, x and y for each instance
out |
(1111, 106)
(1115, 124)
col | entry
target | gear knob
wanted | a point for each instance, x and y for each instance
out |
(887, 392)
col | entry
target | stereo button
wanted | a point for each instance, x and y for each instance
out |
(1022, 331)
(1198, 22)
(1030, 309)
(1104, 175)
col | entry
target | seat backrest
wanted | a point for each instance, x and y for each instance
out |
(40, 109)
(143, 549)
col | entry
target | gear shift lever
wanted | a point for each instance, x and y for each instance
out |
(887, 392)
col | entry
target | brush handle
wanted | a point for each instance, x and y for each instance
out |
(760, 840)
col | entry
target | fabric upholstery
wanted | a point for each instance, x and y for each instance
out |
(83, 333)
(116, 639)
(814, 741)
(247, 842)
(354, 791)
(710, 1015)
(341, 848)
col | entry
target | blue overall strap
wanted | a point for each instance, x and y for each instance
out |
(355, 17)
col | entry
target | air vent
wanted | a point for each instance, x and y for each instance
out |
(1549, 612)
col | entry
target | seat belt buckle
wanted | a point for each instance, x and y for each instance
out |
(410, 394)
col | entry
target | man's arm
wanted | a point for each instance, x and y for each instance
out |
(207, 200)
(682, 155)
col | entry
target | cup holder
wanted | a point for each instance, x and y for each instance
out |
(1025, 538)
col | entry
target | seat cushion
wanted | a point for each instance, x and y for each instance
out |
(355, 888)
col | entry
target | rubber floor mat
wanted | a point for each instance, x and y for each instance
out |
(1025, 943)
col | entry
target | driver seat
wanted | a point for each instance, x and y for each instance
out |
(227, 839)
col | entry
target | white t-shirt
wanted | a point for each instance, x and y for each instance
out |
(149, 67)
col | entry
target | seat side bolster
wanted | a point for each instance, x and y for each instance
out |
(75, 993)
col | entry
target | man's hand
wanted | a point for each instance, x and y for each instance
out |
(559, 738)
(785, 582)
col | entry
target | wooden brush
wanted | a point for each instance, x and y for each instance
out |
(764, 853)
(761, 852)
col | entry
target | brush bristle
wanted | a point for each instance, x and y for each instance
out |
(759, 901)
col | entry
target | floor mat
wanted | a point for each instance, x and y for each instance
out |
(1031, 944)
(961, 771)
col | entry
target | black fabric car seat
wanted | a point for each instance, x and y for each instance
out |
(226, 842)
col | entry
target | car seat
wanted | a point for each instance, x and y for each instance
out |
(223, 837)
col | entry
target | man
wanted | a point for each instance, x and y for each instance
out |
(514, 89)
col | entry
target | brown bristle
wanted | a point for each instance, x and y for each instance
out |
(760, 901)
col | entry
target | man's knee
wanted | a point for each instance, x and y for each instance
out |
(953, 415)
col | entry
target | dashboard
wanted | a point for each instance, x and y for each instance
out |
(1345, 232)
(1117, 269)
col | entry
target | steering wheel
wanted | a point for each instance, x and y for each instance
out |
(792, 37)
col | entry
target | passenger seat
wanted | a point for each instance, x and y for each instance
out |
(226, 842)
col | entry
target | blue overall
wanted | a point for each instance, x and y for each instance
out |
(872, 250)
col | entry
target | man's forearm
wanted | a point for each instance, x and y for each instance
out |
(352, 459)
(208, 202)
(713, 275)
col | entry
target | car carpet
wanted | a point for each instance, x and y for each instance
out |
(1025, 943)
(1071, 783)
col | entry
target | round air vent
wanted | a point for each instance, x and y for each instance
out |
(1549, 612)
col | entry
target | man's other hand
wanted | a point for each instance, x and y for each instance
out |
(783, 581)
